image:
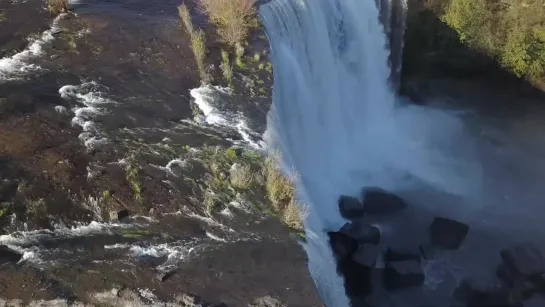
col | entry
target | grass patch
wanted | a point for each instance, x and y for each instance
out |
(239, 51)
(106, 195)
(36, 210)
(185, 17)
(198, 41)
(226, 67)
(56, 7)
(233, 19)
(241, 176)
(281, 194)
(269, 67)
(232, 174)
(133, 177)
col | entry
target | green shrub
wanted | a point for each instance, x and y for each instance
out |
(281, 194)
(233, 18)
(56, 7)
(241, 176)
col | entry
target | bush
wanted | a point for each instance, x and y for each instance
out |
(56, 7)
(233, 18)
(241, 176)
(512, 32)
(281, 194)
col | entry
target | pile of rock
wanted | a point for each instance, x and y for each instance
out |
(522, 281)
(360, 254)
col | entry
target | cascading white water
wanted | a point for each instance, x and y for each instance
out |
(335, 123)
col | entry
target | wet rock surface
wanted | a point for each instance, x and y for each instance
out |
(91, 208)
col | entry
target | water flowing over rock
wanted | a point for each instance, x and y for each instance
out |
(9, 255)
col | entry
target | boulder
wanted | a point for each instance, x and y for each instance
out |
(119, 215)
(376, 201)
(362, 232)
(343, 246)
(357, 278)
(429, 251)
(9, 255)
(473, 295)
(403, 274)
(164, 275)
(520, 287)
(446, 233)
(367, 255)
(350, 207)
(398, 255)
(526, 260)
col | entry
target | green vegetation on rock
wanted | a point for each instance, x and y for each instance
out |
(233, 19)
(56, 7)
(236, 175)
(510, 32)
(198, 41)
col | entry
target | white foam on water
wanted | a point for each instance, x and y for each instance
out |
(209, 98)
(18, 65)
(61, 109)
(94, 102)
(117, 246)
(214, 237)
(33, 237)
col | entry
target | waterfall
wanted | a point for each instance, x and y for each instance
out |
(335, 122)
(393, 16)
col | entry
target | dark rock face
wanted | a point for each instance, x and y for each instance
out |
(474, 296)
(393, 255)
(403, 274)
(350, 207)
(119, 215)
(447, 233)
(367, 255)
(362, 232)
(356, 249)
(9, 255)
(377, 201)
(343, 246)
(428, 251)
(163, 276)
(527, 261)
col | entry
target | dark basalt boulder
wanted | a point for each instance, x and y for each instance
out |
(403, 274)
(376, 201)
(446, 233)
(9, 255)
(119, 215)
(428, 251)
(476, 296)
(367, 255)
(350, 207)
(526, 260)
(363, 233)
(343, 246)
(400, 255)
